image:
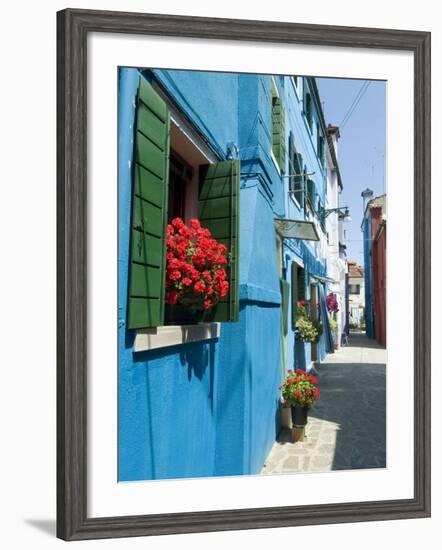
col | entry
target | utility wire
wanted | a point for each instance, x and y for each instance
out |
(356, 98)
(355, 103)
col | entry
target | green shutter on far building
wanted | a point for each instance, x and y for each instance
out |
(294, 285)
(311, 193)
(218, 210)
(301, 283)
(285, 293)
(149, 209)
(278, 132)
(299, 179)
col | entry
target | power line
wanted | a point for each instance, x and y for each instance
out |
(355, 100)
(355, 103)
(364, 84)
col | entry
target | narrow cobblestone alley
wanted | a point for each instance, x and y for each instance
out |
(346, 427)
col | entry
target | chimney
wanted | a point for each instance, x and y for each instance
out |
(334, 133)
(376, 218)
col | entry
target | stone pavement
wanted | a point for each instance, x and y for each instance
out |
(346, 427)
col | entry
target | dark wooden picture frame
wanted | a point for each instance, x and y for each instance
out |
(73, 27)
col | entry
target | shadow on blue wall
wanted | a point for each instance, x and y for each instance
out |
(195, 358)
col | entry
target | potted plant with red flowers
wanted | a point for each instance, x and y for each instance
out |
(299, 391)
(196, 271)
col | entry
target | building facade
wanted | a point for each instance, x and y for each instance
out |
(356, 295)
(336, 249)
(374, 216)
(237, 151)
(379, 275)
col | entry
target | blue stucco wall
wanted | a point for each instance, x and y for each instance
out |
(211, 408)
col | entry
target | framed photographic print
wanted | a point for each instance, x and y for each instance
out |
(241, 341)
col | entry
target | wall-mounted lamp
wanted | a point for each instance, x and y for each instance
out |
(344, 211)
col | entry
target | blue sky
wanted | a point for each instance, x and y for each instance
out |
(361, 148)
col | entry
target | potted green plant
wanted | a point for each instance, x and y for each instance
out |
(319, 327)
(299, 391)
(305, 327)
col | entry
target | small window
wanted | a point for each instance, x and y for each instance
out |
(321, 149)
(308, 110)
(320, 145)
(278, 129)
(354, 289)
(180, 177)
(296, 176)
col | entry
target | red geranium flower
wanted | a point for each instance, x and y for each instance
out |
(194, 224)
(199, 286)
(177, 223)
(196, 266)
(224, 289)
(175, 275)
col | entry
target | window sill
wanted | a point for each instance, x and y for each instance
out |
(174, 335)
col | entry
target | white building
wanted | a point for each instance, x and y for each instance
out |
(336, 252)
(356, 294)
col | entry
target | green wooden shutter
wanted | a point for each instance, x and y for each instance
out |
(301, 283)
(278, 132)
(321, 218)
(308, 110)
(304, 187)
(294, 285)
(285, 290)
(299, 180)
(218, 210)
(311, 193)
(292, 168)
(149, 210)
